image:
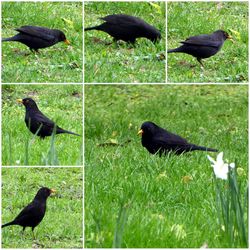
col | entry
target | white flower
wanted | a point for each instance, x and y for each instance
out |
(220, 167)
(232, 165)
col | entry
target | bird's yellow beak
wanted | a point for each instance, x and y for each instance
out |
(230, 38)
(52, 191)
(140, 132)
(66, 41)
(19, 100)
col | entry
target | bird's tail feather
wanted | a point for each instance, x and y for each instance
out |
(173, 50)
(8, 39)
(92, 28)
(195, 147)
(69, 132)
(8, 224)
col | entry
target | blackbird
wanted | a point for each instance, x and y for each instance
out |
(203, 46)
(36, 37)
(158, 140)
(37, 122)
(34, 212)
(127, 28)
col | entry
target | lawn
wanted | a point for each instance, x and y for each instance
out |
(123, 63)
(63, 105)
(134, 199)
(62, 225)
(187, 19)
(57, 64)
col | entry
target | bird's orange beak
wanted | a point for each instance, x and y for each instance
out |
(52, 191)
(67, 42)
(230, 38)
(19, 100)
(140, 132)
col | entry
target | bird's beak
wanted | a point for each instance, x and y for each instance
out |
(19, 100)
(52, 191)
(140, 132)
(230, 38)
(66, 41)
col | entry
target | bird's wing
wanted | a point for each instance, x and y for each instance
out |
(26, 212)
(202, 40)
(40, 32)
(169, 139)
(129, 26)
(39, 117)
(120, 18)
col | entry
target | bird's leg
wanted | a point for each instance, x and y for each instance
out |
(34, 51)
(132, 44)
(199, 60)
(115, 41)
(23, 232)
(33, 234)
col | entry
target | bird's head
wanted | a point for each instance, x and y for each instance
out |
(43, 193)
(224, 35)
(28, 103)
(155, 35)
(147, 129)
(62, 37)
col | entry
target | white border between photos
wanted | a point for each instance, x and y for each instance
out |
(80, 84)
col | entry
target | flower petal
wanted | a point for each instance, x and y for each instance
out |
(232, 165)
(219, 158)
(211, 159)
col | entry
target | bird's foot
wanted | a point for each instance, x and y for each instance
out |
(199, 60)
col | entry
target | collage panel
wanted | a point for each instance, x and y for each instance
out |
(207, 42)
(159, 190)
(42, 42)
(42, 207)
(124, 42)
(42, 124)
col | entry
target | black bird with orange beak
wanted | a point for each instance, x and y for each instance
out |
(203, 46)
(37, 122)
(158, 140)
(127, 28)
(34, 212)
(36, 37)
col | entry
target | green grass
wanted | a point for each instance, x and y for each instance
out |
(134, 199)
(123, 63)
(187, 19)
(62, 104)
(62, 224)
(60, 63)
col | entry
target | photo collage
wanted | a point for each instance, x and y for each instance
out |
(152, 150)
